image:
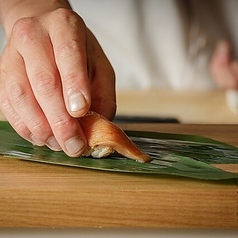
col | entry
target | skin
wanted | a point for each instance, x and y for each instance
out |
(223, 67)
(53, 71)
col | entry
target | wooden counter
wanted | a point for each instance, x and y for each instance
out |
(40, 195)
(188, 107)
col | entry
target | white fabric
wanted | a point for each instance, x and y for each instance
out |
(151, 43)
(159, 43)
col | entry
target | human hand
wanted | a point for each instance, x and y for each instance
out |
(223, 67)
(52, 72)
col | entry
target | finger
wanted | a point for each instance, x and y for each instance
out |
(222, 54)
(224, 77)
(11, 115)
(26, 115)
(234, 70)
(102, 81)
(46, 85)
(220, 66)
(104, 100)
(69, 45)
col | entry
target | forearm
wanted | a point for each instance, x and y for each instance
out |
(11, 11)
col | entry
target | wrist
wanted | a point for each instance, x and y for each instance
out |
(11, 11)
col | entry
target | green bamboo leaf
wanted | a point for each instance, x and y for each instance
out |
(173, 154)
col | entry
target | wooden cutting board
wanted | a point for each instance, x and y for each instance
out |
(42, 195)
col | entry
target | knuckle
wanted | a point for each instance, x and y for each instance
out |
(23, 30)
(45, 83)
(68, 48)
(69, 16)
(70, 80)
(21, 129)
(62, 123)
(77, 29)
(39, 129)
(63, 13)
(17, 93)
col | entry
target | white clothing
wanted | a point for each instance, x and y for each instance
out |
(160, 43)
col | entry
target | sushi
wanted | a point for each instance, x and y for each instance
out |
(104, 138)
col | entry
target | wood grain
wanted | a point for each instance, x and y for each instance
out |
(197, 107)
(40, 195)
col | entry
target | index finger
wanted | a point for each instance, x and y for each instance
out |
(69, 46)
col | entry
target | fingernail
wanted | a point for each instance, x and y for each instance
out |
(35, 141)
(53, 144)
(74, 145)
(77, 102)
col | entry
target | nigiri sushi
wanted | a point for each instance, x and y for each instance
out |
(104, 137)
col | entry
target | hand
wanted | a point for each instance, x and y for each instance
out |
(223, 68)
(52, 72)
